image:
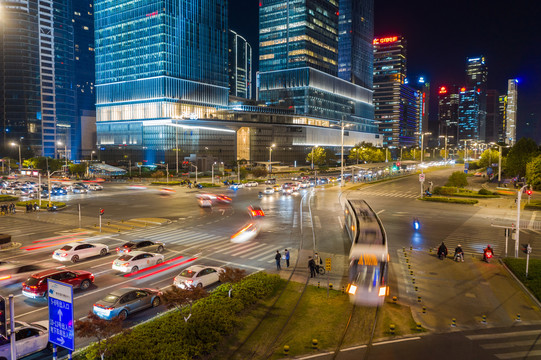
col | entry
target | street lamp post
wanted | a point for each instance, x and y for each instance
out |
(446, 137)
(342, 181)
(422, 143)
(519, 197)
(65, 152)
(270, 157)
(212, 172)
(20, 161)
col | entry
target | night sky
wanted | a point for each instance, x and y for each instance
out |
(442, 34)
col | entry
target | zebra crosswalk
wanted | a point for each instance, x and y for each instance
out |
(516, 344)
(396, 194)
(198, 241)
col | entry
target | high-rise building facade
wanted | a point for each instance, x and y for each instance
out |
(158, 60)
(389, 80)
(83, 141)
(493, 117)
(298, 60)
(37, 75)
(410, 116)
(468, 115)
(475, 100)
(448, 99)
(511, 112)
(355, 35)
(240, 66)
(502, 109)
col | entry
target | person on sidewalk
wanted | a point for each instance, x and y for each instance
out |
(318, 262)
(286, 254)
(312, 266)
(278, 259)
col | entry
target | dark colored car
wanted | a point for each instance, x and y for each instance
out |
(143, 245)
(36, 285)
(122, 302)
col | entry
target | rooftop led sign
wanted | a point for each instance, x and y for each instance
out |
(385, 40)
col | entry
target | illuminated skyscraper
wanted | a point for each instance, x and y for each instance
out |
(298, 61)
(493, 117)
(355, 35)
(37, 96)
(240, 66)
(448, 99)
(468, 115)
(475, 100)
(511, 112)
(389, 83)
(158, 60)
(502, 109)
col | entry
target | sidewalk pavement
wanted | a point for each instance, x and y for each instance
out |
(464, 291)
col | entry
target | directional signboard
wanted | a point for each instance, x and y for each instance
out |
(61, 330)
(421, 177)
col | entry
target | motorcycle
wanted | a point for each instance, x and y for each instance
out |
(416, 224)
(260, 195)
(459, 257)
(487, 255)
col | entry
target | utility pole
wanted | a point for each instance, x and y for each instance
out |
(517, 234)
(342, 181)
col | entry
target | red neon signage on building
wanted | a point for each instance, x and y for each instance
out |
(385, 40)
(462, 89)
(152, 14)
(443, 90)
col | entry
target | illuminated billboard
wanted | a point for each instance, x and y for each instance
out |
(385, 40)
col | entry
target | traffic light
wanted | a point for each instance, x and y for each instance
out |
(528, 192)
(102, 211)
(398, 164)
(185, 164)
(3, 325)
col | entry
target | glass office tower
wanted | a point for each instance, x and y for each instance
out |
(37, 76)
(240, 66)
(355, 35)
(468, 115)
(298, 61)
(511, 112)
(448, 99)
(155, 60)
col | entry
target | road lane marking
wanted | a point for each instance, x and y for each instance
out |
(248, 250)
(504, 335)
(340, 221)
(396, 341)
(379, 212)
(353, 348)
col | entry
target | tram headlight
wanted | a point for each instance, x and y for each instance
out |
(383, 291)
(352, 289)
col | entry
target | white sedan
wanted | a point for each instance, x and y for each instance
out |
(136, 260)
(79, 250)
(268, 191)
(252, 183)
(198, 275)
(29, 338)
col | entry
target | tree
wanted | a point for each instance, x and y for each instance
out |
(232, 275)
(102, 330)
(158, 174)
(319, 156)
(533, 172)
(488, 157)
(180, 298)
(77, 169)
(520, 154)
(330, 157)
(259, 172)
(457, 179)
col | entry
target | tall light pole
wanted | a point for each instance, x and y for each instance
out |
(176, 148)
(270, 157)
(423, 143)
(402, 148)
(446, 137)
(65, 153)
(342, 181)
(517, 234)
(500, 148)
(20, 161)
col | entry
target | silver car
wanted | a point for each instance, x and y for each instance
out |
(29, 338)
(141, 245)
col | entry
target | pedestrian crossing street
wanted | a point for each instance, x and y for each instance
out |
(386, 193)
(206, 242)
(517, 344)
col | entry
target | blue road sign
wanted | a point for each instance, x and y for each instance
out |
(61, 330)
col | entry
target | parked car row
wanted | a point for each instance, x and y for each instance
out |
(32, 189)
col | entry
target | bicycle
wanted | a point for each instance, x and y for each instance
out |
(320, 270)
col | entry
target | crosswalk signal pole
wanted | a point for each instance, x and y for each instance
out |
(13, 348)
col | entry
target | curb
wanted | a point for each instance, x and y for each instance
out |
(14, 246)
(522, 286)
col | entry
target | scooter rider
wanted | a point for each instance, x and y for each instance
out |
(487, 253)
(442, 251)
(459, 253)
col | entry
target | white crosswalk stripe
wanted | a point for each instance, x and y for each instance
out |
(510, 345)
(400, 194)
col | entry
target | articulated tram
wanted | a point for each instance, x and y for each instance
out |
(368, 257)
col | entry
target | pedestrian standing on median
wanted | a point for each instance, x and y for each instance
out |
(286, 254)
(312, 266)
(278, 258)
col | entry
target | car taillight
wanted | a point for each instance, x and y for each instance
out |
(117, 249)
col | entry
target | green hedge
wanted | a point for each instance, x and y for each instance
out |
(209, 185)
(533, 205)
(533, 282)
(8, 198)
(475, 195)
(43, 204)
(170, 337)
(171, 183)
(445, 190)
(450, 200)
(453, 191)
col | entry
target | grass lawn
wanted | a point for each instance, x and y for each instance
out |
(8, 198)
(316, 317)
(518, 267)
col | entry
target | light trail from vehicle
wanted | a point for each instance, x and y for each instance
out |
(167, 268)
(63, 242)
(154, 266)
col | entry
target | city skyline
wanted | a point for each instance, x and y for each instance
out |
(449, 44)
